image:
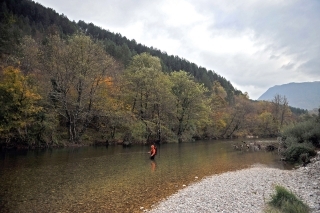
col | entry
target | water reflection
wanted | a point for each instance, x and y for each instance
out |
(153, 165)
(113, 178)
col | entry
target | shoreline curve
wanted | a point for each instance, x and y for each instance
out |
(246, 190)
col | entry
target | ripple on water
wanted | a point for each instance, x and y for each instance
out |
(114, 179)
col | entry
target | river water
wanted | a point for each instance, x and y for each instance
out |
(114, 178)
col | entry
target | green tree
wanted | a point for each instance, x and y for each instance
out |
(148, 93)
(237, 118)
(124, 54)
(10, 37)
(218, 106)
(113, 116)
(266, 124)
(190, 105)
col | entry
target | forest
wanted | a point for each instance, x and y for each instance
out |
(66, 83)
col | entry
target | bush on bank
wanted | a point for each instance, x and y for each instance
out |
(286, 202)
(300, 152)
(301, 140)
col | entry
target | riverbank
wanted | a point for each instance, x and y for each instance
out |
(245, 190)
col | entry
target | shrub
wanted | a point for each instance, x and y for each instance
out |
(296, 151)
(286, 202)
(299, 130)
(307, 131)
(289, 141)
(314, 135)
(301, 140)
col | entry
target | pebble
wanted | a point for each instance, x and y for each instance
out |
(245, 190)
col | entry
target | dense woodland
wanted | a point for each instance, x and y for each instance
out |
(64, 83)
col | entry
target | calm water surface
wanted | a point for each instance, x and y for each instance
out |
(114, 179)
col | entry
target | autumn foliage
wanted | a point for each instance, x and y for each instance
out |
(19, 107)
(70, 91)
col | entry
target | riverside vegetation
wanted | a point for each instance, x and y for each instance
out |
(299, 141)
(71, 84)
(286, 202)
(65, 83)
(61, 85)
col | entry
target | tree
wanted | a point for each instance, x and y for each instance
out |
(238, 118)
(28, 56)
(77, 68)
(218, 109)
(124, 54)
(280, 110)
(112, 115)
(9, 38)
(19, 109)
(148, 93)
(190, 104)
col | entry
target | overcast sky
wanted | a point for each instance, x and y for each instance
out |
(255, 44)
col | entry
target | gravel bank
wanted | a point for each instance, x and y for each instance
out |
(245, 190)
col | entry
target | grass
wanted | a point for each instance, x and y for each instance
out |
(284, 201)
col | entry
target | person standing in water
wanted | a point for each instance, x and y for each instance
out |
(153, 152)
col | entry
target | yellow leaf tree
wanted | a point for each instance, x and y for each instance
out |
(18, 100)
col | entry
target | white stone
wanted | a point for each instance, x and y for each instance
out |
(244, 191)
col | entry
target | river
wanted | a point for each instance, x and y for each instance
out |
(115, 178)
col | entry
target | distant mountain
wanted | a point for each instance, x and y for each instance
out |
(301, 95)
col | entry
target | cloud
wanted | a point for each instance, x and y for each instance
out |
(274, 57)
(311, 67)
(288, 66)
(252, 43)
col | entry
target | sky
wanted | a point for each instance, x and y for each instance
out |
(254, 44)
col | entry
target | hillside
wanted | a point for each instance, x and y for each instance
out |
(64, 83)
(24, 17)
(304, 95)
